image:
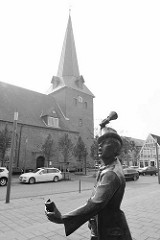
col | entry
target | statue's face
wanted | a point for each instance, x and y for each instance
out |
(106, 150)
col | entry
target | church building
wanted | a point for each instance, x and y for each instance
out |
(66, 108)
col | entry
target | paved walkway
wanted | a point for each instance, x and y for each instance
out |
(24, 219)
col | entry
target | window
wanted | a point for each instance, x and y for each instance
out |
(80, 99)
(85, 104)
(53, 122)
(80, 122)
(44, 171)
(52, 170)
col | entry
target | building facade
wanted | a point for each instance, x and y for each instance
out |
(150, 151)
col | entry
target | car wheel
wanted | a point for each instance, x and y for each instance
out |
(56, 179)
(3, 181)
(32, 180)
(135, 178)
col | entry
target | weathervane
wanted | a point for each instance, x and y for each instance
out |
(70, 9)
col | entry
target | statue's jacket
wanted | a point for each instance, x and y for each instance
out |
(104, 206)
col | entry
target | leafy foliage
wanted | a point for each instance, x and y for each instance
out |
(94, 149)
(48, 148)
(65, 145)
(5, 142)
(129, 151)
(80, 150)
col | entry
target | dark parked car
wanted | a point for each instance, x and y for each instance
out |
(138, 169)
(131, 174)
(150, 170)
(97, 166)
(124, 166)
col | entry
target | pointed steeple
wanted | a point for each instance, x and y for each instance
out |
(68, 71)
(68, 65)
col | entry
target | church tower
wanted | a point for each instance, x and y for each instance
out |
(68, 88)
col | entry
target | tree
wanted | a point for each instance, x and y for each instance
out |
(48, 148)
(65, 145)
(136, 155)
(80, 150)
(129, 151)
(5, 143)
(94, 149)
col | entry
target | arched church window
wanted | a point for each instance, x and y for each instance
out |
(85, 104)
(80, 99)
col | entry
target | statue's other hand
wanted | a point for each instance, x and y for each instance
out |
(52, 212)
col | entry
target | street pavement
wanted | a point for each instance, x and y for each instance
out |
(24, 219)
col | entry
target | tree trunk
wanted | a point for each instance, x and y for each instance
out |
(3, 155)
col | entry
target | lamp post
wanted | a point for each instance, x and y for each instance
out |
(25, 155)
(85, 161)
(157, 161)
(11, 156)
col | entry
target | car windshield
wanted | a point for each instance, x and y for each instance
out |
(36, 170)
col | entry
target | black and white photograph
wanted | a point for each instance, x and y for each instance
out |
(79, 120)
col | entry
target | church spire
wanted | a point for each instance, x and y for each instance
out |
(68, 64)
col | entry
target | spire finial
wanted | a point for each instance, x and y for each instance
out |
(69, 9)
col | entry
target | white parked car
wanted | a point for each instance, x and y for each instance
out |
(41, 175)
(3, 176)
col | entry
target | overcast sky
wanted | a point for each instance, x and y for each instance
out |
(118, 50)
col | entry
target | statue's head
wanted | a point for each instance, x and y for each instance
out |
(110, 144)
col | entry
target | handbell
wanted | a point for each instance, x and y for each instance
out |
(112, 116)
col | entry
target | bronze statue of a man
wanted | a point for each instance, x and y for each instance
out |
(106, 220)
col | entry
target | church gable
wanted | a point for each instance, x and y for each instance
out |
(76, 83)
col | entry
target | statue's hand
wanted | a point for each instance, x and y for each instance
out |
(50, 205)
(52, 212)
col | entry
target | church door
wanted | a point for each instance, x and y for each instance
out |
(40, 162)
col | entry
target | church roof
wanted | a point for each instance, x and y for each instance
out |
(68, 65)
(30, 105)
(71, 82)
(68, 71)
